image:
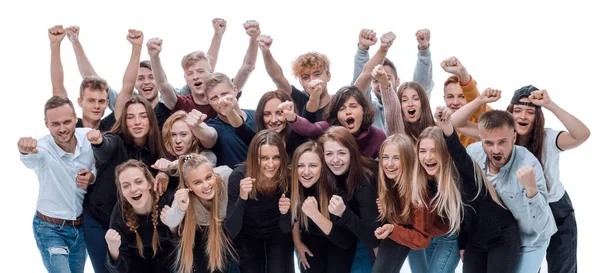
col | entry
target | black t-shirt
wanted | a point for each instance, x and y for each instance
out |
(300, 99)
(162, 114)
(230, 149)
(105, 124)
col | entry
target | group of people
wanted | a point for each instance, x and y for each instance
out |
(354, 180)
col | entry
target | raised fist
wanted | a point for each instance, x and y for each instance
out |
(336, 206)
(154, 47)
(94, 136)
(73, 33)
(246, 185)
(27, 145)
(195, 118)
(287, 110)
(367, 38)
(113, 240)
(526, 176)
(490, 95)
(219, 25)
(252, 28)
(284, 204)
(387, 40)
(315, 88)
(182, 198)
(264, 42)
(56, 34)
(310, 207)
(540, 97)
(423, 36)
(380, 76)
(135, 37)
(227, 103)
(453, 66)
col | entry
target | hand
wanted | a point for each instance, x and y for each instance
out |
(442, 115)
(336, 206)
(315, 88)
(246, 185)
(526, 176)
(135, 37)
(310, 207)
(302, 250)
(161, 181)
(164, 165)
(287, 110)
(423, 36)
(384, 231)
(27, 145)
(540, 97)
(154, 46)
(219, 25)
(252, 28)
(84, 178)
(195, 118)
(56, 34)
(73, 33)
(182, 199)
(163, 213)
(284, 204)
(490, 95)
(113, 240)
(94, 136)
(264, 42)
(367, 38)
(462, 255)
(453, 66)
(379, 207)
(227, 103)
(387, 40)
(381, 77)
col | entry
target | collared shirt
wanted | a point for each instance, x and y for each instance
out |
(533, 215)
(59, 196)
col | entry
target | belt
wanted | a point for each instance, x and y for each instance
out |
(57, 221)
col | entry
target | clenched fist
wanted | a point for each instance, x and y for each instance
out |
(154, 47)
(310, 207)
(252, 28)
(195, 118)
(384, 231)
(56, 34)
(135, 37)
(490, 95)
(227, 103)
(540, 97)
(423, 36)
(367, 38)
(381, 77)
(182, 198)
(336, 206)
(387, 40)
(526, 176)
(113, 240)
(27, 145)
(264, 42)
(84, 178)
(287, 110)
(246, 185)
(284, 204)
(219, 25)
(73, 33)
(94, 136)
(453, 66)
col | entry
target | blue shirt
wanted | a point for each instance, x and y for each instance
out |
(59, 196)
(230, 148)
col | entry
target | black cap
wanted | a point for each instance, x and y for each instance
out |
(524, 91)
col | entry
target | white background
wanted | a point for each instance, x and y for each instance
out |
(503, 45)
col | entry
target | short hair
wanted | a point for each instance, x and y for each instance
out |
(213, 79)
(452, 79)
(146, 64)
(388, 62)
(309, 62)
(57, 101)
(94, 83)
(338, 100)
(191, 58)
(495, 119)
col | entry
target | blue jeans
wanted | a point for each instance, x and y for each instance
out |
(94, 239)
(442, 254)
(417, 261)
(62, 247)
(530, 262)
(362, 259)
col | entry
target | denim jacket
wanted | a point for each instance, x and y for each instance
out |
(533, 215)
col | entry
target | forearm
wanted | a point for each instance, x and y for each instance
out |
(276, 73)
(174, 216)
(296, 233)
(323, 223)
(461, 117)
(129, 79)
(361, 57)
(364, 80)
(423, 73)
(306, 129)
(235, 120)
(392, 112)
(57, 75)
(364, 229)
(312, 105)
(205, 134)
(235, 216)
(83, 63)
(213, 50)
(164, 87)
(248, 66)
(577, 129)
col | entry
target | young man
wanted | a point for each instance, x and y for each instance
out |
(518, 178)
(460, 89)
(196, 67)
(218, 134)
(93, 93)
(64, 164)
(423, 72)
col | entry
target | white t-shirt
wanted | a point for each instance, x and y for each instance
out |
(551, 167)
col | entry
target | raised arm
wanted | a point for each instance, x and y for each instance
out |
(391, 103)
(220, 25)
(301, 125)
(136, 38)
(164, 87)
(205, 134)
(253, 30)
(577, 132)
(363, 81)
(273, 68)
(423, 73)
(57, 75)
(366, 39)
(460, 118)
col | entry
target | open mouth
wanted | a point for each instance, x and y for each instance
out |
(350, 123)
(524, 124)
(207, 190)
(307, 178)
(137, 130)
(274, 126)
(497, 157)
(197, 84)
(391, 170)
(178, 148)
(147, 89)
(412, 112)
(430, 165)
(137, 197)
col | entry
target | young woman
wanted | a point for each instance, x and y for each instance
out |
(354, 178)
(348, 108)
(201, 203)
(137, 241)
(415, 109)
(134, 136)
(322, 246)
(253, 215)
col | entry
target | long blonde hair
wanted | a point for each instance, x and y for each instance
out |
(447, 202)
(395, 194)
(218, 245)
(129, 216)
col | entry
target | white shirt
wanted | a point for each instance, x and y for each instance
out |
(551, 167)
(59, 196)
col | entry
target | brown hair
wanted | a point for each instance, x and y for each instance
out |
(146, 64)
(388, 62)
(360, 166)
(218, 245)
(213, 79)
(129, 216)
(324, 184)
(193, 57)
(57, 101)
(166, 136)
(395, 195)
(266, 137)
(309, 62)
(535, 141)
(260, 108)
(338, 100)
(452, 79)
(495, 119)
(153, 141)
(94, 83)
(426, 115)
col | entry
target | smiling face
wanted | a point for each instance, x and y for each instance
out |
(411, 105)
(454, 97)
(181, 138)
(269, 160)
(390, 160)
(61, 122)
(337, 157)
(309, 169)
(272, 117)
(136, 189)
(146, 85)
(138, 124)
(428, 157)
(524, 117)
(202, 181)
(350, 115)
